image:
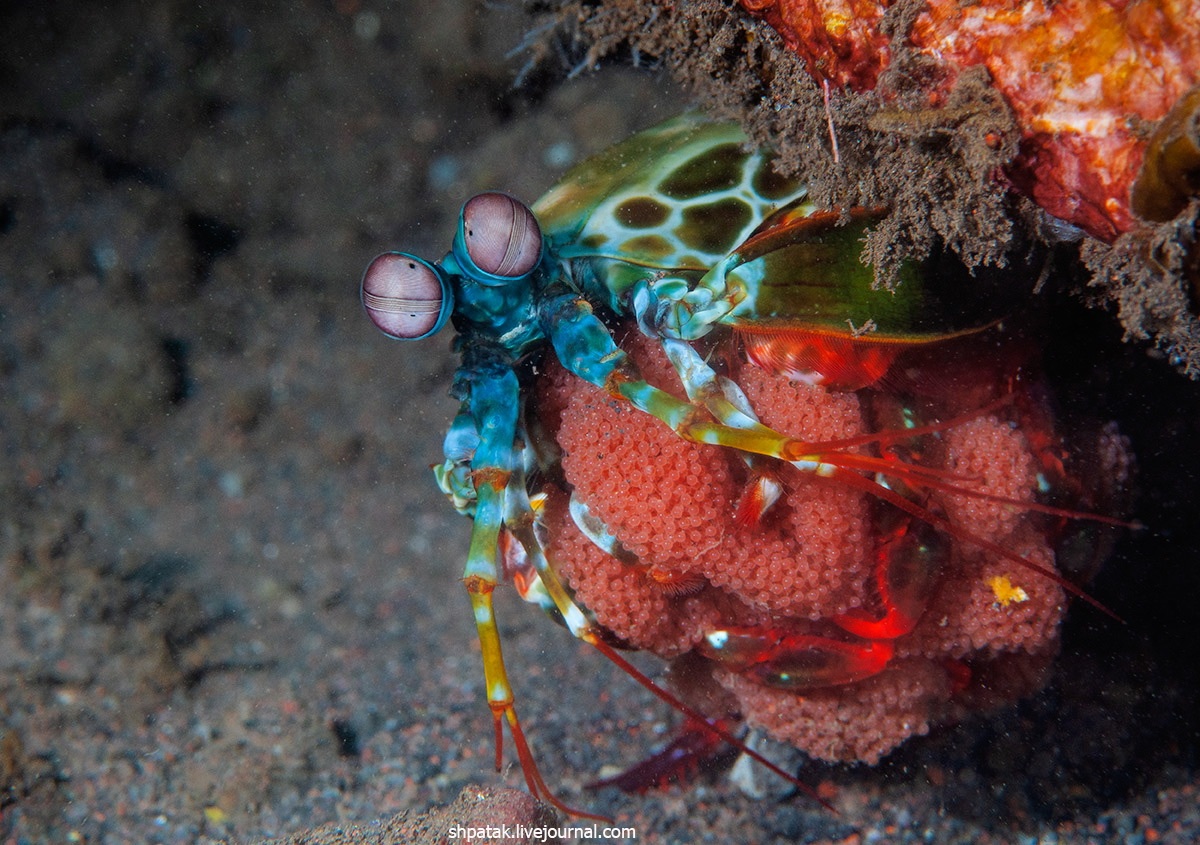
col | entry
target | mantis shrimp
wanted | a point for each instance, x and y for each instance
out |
(690, 239)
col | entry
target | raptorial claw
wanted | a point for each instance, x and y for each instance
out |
(794, 661)
(908, 561)
(677, 307)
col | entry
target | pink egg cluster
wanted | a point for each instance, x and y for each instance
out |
(690, 567)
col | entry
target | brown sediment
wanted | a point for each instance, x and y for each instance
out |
(938, 168)
(1152, 276)
(512, 815)
(934, 167)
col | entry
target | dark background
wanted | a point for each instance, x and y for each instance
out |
(229, 596)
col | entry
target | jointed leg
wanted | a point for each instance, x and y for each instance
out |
(493, 398)
(491, 402)
(454, 474)
(547, 593)
(585, 347)
(831, 460)
(589, 632)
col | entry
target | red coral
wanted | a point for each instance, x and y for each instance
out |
(1079, 74)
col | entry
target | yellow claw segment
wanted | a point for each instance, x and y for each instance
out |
(500, 695)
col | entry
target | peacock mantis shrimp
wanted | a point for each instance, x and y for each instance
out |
(691, 236)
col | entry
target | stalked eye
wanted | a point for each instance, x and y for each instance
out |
(501, 235)
(404, 296)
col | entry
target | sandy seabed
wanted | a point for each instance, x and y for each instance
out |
(229, 597)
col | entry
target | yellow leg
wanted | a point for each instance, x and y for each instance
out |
(500, 696)
(480, 578)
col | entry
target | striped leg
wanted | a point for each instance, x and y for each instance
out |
(585, 347)
(583, 627)
(492, 395)
(835, 460)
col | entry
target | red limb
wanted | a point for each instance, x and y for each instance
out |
(906, 572)
(852, 479)
(516, 564)
(783, 659)
(830, 452)
(714, 725)
(928, 477)
(533, 777)
(918, 476)
(680, 759)
(762, 491)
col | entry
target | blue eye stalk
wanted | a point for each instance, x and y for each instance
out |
(496, 249)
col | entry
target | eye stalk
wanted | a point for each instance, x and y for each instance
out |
(498, 238)
(406, 297)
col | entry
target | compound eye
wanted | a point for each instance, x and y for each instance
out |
(501, 235)
(404, 296)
